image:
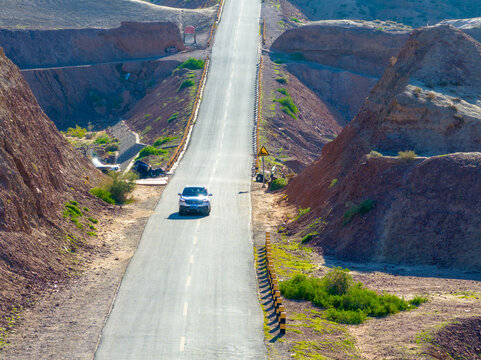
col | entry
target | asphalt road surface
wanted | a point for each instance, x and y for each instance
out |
(190, 290)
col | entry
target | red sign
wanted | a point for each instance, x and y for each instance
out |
(189, 29)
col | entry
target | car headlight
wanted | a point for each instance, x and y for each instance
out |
(182, 201)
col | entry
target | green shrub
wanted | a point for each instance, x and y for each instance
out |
(345, 316)
(282, 80)
(146, 130)
(91, 233)
(407, 155)
(192, 64)
(103, 194)
(301, 212)
(288, 106)
(277, 184)
(115, 192)
(103, 140)
(92, 220)
(121, 186)
(418, 300)
(309, 237)
(72, 211)
(374, 154)
(76, 222)
(86, 209)
(150, 150)
(173, 117)
(283, 91)
(77, 132)
(361, 209)
(163, 139)
(337, 281)
(333, 183)
(186, 83)
(344, 300)
(295, 19)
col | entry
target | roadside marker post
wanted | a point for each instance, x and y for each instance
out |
(262, 153)
(282, 322)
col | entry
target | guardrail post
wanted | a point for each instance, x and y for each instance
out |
(282, 322)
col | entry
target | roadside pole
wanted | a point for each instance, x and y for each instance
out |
(263, 152)
(263, 173)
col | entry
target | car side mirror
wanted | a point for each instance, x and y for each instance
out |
(179, 194)
(210, 195)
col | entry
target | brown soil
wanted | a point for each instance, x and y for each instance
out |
(407, 335)
(459, 341)
(65, 321)
(294, 142)
(155, 109)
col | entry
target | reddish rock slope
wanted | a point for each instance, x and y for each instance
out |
(39, 172)
(425, 209)
(49, 48)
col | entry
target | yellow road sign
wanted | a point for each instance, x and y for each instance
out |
(263, 152)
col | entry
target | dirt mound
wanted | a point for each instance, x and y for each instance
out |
(410, 12)
(405, 209)
(54, 48)
(459, 341)
(39, 173)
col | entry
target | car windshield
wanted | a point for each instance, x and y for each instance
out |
(194, 191)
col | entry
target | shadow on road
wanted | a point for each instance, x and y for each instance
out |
(176, 216)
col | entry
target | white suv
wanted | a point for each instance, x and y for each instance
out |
(194, 198)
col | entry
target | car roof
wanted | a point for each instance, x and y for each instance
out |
(195, 186)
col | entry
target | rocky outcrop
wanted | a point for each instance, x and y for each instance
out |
(56, 48)
(410, 12)
(98, 94)
(39, 172)
(360, 47)
(344, 59)
(406, 210)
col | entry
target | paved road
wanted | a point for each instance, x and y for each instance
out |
(190, 290)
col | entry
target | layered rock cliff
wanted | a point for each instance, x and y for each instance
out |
(405, 209)
(56, 48)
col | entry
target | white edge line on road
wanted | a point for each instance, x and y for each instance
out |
(186, 306)
(191, 260)
(187, 283)
(182, 343)
(195, 240)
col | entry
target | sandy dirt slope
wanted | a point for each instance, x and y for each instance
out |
(67, 14)
(452, 295)
(65, 323)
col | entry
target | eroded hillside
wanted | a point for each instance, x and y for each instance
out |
(40, 174)
(410, 12)
(369, 204)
